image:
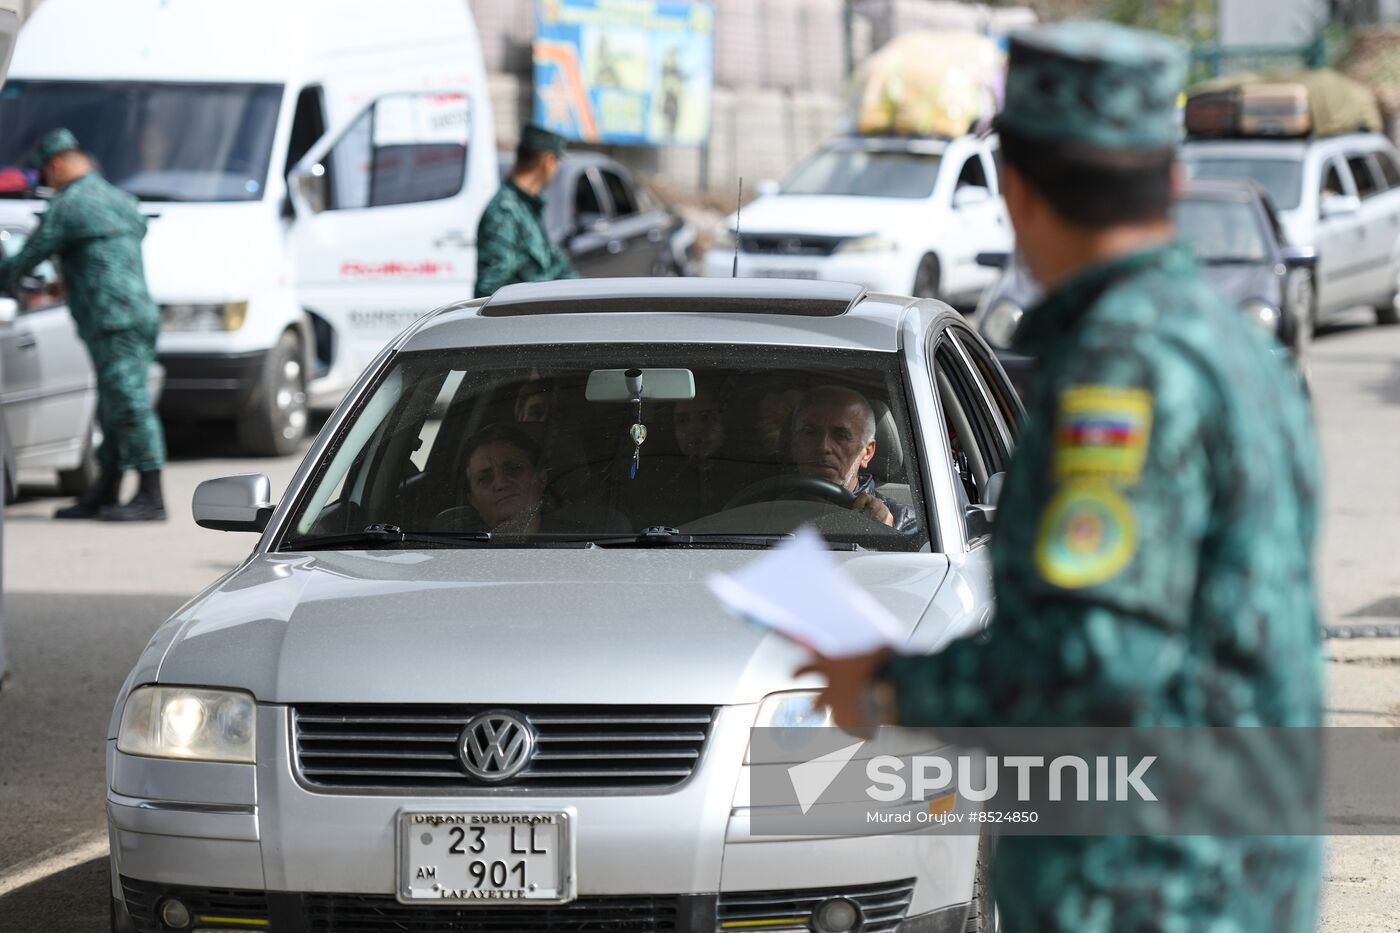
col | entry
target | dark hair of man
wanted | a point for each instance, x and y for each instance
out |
(1093, 187)
(527, 159)
(502, 433)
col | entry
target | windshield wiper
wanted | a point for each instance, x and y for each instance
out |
(673, 537)
(387, 536)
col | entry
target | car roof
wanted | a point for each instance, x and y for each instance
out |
(1220, 189)
(1284, 148)
(774, 312)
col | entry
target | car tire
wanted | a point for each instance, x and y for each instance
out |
(76, 481)
(982, 915)
(274, 423)
(927, 278)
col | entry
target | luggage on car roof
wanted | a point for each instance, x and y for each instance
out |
(1319, 102)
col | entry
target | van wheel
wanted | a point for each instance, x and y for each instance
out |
(982, 915)
(926, 278)
(275, 422)
(76, 481)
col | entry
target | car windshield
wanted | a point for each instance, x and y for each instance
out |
(1221, 231)
(872, 173)
(159, 141)
(1281, 178)
(538, 447)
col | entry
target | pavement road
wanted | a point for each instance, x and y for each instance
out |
(82, 598)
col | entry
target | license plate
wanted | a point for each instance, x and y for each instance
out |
(464, 857)
(782, 273)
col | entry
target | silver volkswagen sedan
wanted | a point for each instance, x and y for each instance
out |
(470, 677)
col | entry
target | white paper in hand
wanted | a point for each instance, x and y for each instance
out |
(798, 590)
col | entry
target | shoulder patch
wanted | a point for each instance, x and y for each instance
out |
(1101, 432)
(1087, 535)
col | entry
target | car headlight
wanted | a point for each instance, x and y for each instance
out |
(1262, 313)
(791, 710)
(1000, 324)
(183, 722)
(722, 238)
(868, 244)
(203, 318)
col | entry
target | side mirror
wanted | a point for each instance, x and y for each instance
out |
(969, 196)
(993, 491)
(1339, 205)
(768, 187)
(307, 189)
(980, 518)
(994, 260)
(1298, 257)
(234, 503)
(9, 310)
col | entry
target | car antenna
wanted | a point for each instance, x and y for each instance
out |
(738, 216)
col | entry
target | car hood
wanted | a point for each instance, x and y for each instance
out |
(830, 215)
(511, 626)
(1237, 283)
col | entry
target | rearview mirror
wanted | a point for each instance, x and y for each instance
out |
(1339, 205)
(1298, 257)
(653, 385)
(9, 310)
(234, 503)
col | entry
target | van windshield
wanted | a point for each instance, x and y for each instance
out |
(159, 141)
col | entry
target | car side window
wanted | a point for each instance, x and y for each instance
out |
(308, 124)
(38, 289)
(997, 387)
(973, 174)
(586, 203)
(1389, 170)
(973, 435)
(1332, 179)
(1366, 183)
(624, 203)
(404, 149)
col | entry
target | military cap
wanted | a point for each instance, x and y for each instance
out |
(53, 143)
(539, 139)
(1093, 83)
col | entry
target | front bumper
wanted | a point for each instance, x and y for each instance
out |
(879, 272)
(209, 385)
(312, 852)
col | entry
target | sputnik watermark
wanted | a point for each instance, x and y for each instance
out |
(1116, 778)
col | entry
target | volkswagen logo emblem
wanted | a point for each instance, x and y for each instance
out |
(496, 746)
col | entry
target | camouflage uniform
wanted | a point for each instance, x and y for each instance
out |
(1152, 566)
(95, 230)
(512, 245)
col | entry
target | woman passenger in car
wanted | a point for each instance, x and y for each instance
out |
(505, 479)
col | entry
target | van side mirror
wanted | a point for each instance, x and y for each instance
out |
(970, 195)
(234, 503)
(1338, 205)
(307, 189)
(9, 310)
(1298, 257)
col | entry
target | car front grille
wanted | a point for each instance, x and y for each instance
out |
(352, 913)
(789, 244)
(882, 907)
(365, 748)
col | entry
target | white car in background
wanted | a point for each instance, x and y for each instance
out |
(1339, 195)
(905, 216)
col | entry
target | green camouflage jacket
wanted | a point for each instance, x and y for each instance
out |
(1153, 567)
(95, 230)
(511, 243)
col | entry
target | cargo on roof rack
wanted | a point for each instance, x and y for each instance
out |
(1318, 102)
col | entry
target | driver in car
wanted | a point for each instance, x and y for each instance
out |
(833, 439)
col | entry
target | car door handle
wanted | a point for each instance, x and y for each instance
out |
(25, 341)
(455, 239)
(614, 246)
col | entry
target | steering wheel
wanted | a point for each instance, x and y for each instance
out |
(793, 487)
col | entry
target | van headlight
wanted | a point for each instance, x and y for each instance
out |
(1262, 313)
(868, 244)
(203, 318)
(188, 723)
(1001, 321)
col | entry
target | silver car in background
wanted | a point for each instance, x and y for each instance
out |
(403, 712)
